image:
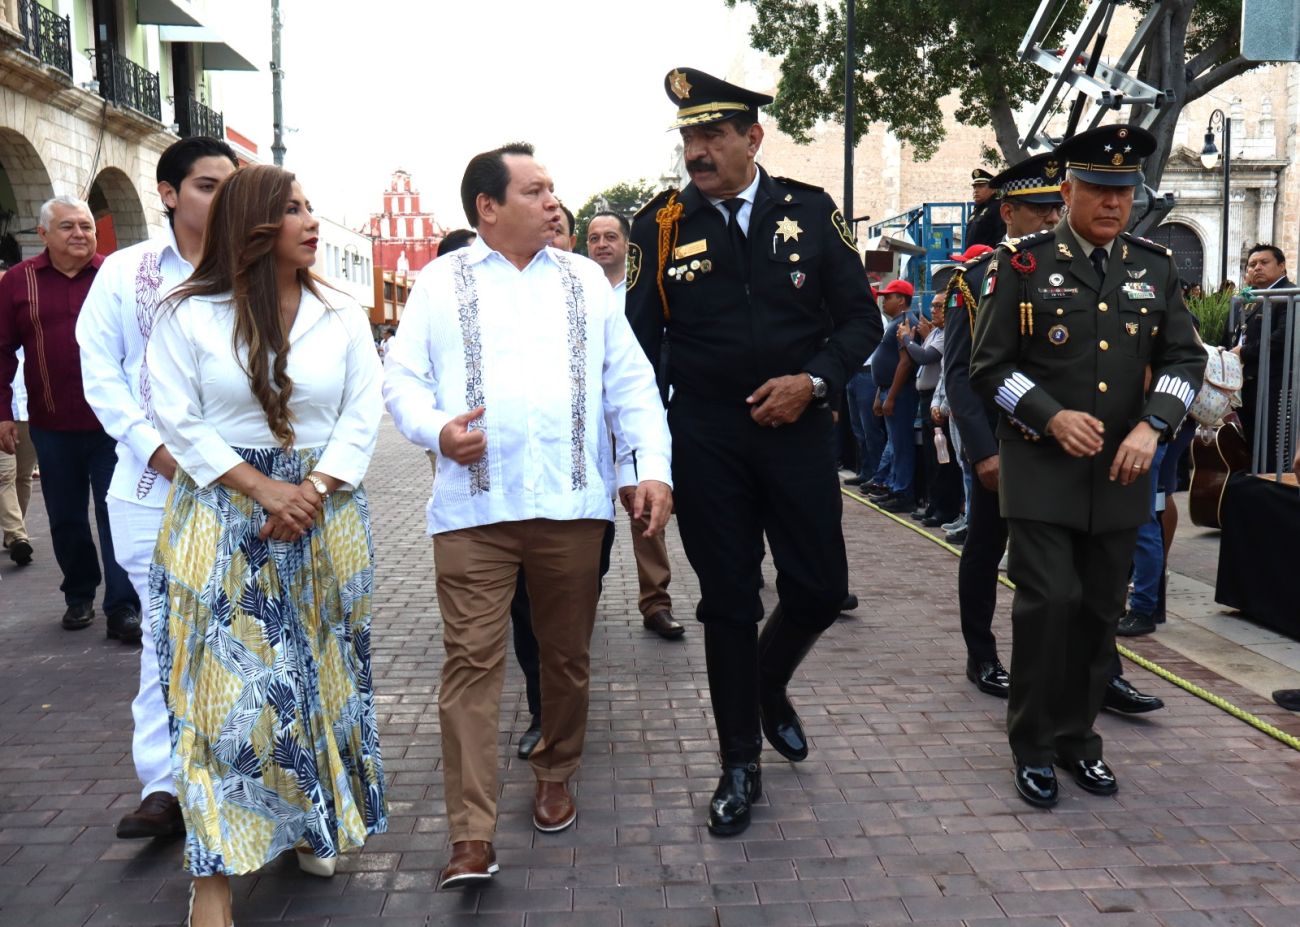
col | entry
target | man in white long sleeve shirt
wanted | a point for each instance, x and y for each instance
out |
(510, 358)
(112, 332)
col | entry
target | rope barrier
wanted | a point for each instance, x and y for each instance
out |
(1219, 702)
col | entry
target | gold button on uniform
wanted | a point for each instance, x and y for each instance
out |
(1101, 387)
(1104, 346)
(1060, 311)
(1102, 306)
(794, 259)
(1143, 310)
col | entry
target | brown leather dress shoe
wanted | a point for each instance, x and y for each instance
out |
(472, 862)
(663, 624)
(159, 815)
(553, 808)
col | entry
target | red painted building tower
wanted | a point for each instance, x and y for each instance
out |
(405, 239)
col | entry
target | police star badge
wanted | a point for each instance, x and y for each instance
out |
(788, 228)
(680, 85)
(797, 277)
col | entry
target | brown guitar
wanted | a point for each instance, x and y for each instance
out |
(1217, 451)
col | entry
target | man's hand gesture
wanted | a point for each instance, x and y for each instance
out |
(1079, 433)
(459, 442)
(654, 502)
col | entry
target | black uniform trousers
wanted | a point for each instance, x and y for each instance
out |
(977, 574)
(733, 482)
(1070, 588)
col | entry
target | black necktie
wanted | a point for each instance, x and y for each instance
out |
(1099, 263)
(736, 233)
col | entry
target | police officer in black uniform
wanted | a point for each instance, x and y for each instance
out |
(1072, 326)
(986, 226)
(750, 293)
(1030, 202)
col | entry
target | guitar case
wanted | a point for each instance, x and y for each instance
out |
(1217, 451)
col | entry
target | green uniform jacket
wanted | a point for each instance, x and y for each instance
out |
(802, 304)
(1087, 350)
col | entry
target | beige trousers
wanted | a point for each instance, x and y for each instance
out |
(16, 487)
(652, 570)
(476, 574)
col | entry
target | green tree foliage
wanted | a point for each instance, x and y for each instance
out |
(913, 53)
(623, 198)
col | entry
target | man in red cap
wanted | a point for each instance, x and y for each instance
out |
(896, 399)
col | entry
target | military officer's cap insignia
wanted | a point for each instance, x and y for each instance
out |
(797, 278)
(1131, 327)
(1051, 169)
(788, 228)
(711, 99)
(679, 85)
(846, 233)
(1058, 335)
(633, 264)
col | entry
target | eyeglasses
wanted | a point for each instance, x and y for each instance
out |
(1042, 210)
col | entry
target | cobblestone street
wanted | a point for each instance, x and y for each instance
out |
(904, 813)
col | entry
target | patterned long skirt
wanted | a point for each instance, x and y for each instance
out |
(265, 663)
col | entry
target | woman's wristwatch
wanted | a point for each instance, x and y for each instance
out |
(318, 484)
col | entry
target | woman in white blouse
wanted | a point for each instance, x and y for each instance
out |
(267, 393)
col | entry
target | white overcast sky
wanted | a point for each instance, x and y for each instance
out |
(424, 86)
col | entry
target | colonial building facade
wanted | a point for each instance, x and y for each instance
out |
(405, 237)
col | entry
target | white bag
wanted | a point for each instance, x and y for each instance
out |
(1221, 391)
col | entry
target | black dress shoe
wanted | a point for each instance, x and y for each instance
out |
(1122, 697)
(920, 514)
(20, 552)
(1288, 699)
(663, 624)
(850, 603)
(159, 815)
(956, 537)
(854, 481)
(529, 738)
(880, 495)
(739, 787)
(1092, 776)
(989, 677)
(1037, 785)
(1135, 624)
(873, 487)
(79, 616)
(124, 624)
(897, 504)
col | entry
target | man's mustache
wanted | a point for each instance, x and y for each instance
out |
(699, 164)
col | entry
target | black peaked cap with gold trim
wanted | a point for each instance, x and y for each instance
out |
(1109, 156)
(979, 177)
(702, 98)
(1034, 180)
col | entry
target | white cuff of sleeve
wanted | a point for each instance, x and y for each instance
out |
(627, 472)
(653, 467)
(209, 460)
(143, 440)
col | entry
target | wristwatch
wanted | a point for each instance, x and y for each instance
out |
(1158, 424)
(818, 385)
(318, 484)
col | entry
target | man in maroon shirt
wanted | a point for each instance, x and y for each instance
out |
(40, 300)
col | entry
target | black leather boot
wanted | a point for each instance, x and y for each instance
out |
(731, 652)
(781, 648)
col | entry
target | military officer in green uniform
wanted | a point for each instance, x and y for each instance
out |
(1084, 344)
(986, 225)
(749, 293)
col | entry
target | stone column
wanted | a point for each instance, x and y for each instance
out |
(1236, 233)
(9, 15)
(1267, 202)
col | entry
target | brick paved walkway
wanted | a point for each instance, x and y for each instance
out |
(904, 813)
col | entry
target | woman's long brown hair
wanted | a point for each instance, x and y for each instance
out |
(239, 258)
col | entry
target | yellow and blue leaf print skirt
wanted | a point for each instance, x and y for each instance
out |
(264, 655)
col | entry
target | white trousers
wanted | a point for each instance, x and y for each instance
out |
(135, 531)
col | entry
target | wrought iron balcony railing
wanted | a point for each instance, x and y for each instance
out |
(125, 83)
(196, 118)
(46, 35)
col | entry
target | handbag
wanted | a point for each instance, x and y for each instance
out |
(1220, 392)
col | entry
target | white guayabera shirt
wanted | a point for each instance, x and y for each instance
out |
(547, 351)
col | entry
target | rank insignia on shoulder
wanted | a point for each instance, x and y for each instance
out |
(1058, 335)
(633, 264)
(845, 232)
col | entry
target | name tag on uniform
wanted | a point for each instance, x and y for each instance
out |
(691, 248)
(1057, 292)
(1134, 290)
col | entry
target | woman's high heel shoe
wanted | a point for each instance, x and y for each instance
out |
(312, 864)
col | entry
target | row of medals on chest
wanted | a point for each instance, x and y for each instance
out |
(1059, 334)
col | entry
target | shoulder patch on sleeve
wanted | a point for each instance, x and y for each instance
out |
(845, 232)
(656, 202)
(798, 184)
(633, 264)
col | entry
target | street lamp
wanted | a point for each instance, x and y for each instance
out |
(1209, 156)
